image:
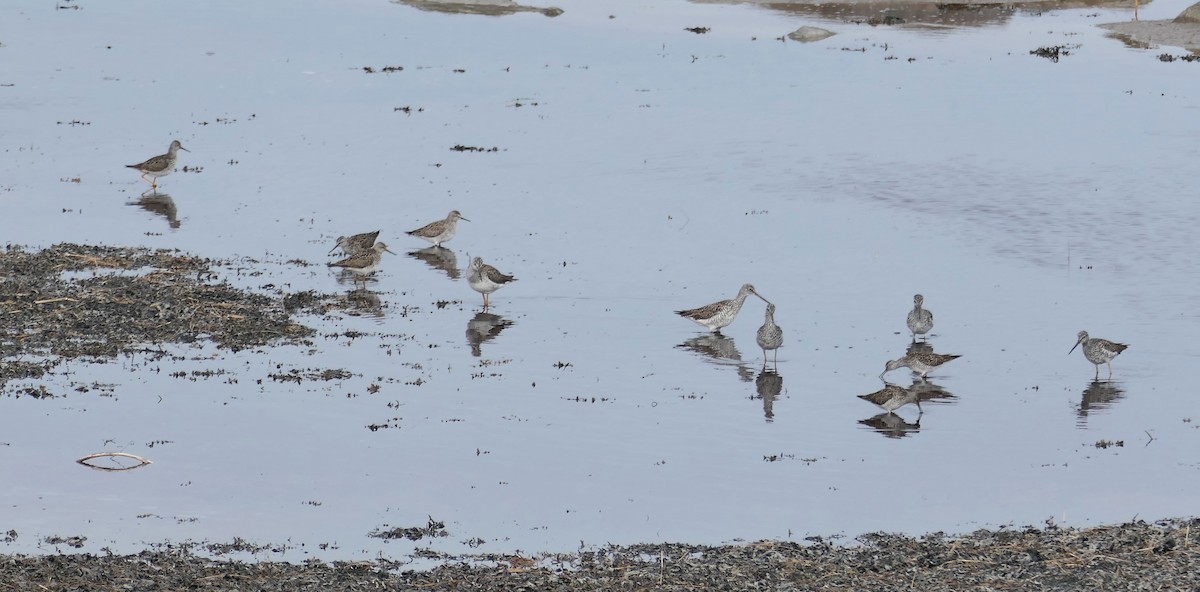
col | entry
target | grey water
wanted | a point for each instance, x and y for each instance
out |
(638, 169)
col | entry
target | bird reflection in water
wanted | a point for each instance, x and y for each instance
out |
(720, 350)
(892, 425)
(769, 385)
(345, 275)
(1098, 395)
(919, 347)
(161, 204)
(364, 303)
(484, 327)
(928, 391)
(439, 258)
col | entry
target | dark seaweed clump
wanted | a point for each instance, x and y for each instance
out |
(76, 300)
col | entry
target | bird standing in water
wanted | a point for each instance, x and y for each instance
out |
(352, 245)
(439, 231)
(921, 362)
(920, 321)
(363, 263)
(770, 335)
(485, 279)
(1098, 351)
(892, 397)
(720, 314)
(159, 166)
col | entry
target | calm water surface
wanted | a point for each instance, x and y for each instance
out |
(640, 169)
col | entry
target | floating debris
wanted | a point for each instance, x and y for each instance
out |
(433, 529)
(1053, 52)
(89, 461)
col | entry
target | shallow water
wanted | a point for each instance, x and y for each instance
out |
(641, 169)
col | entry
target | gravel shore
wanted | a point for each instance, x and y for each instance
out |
(1132, 556)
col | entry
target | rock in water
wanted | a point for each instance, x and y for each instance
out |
(808, 34)
(1190, 14)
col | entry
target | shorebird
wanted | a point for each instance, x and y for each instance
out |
(363, 263)
(440, 231)
(353, 245)
(892, 397)
(486, 279)
(920, 321)
(1098, 351)
(159, 166)
(717, 315)
(770, 335)
(922, 363)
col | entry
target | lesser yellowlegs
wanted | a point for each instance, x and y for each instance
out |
(922, 363)
(720, 314)
(353, 245)
(892, 397)
(159, 166)
(920, 321)
(486, 279)
(1098, 351)
(440, 231)
(363, 263)
(770, 335)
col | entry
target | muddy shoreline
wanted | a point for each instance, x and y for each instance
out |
(1131, 556)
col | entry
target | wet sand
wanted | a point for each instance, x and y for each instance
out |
(1142, 33)
(1154, 33)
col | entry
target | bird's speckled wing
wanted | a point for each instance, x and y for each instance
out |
(431, 229)
(932, 359)
(704, 312)
(355, 261)
(493, 275)
(158, 163)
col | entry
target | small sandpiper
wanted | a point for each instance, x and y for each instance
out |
(920, 321)
(770, 335)
(159, 166)
(720, 314)
(353, 245)
(440, 231)
(922, 362)
(892, 397)
(1098, 351)
(486, 279)
(363, 263)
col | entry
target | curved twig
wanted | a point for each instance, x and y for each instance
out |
(142, 461)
